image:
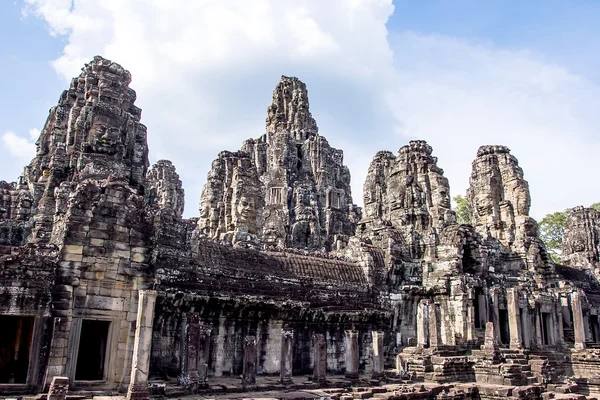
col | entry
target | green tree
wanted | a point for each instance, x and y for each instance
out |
(552, 227)
(462, 210)
(596, 206)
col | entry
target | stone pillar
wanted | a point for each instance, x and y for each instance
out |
(490, 343)
(189, 377)
(578, 325)
(352, 354)
(220, 347)
(140, 363)
(514, 318)
(496, 316)
(58, 388)
(287, 350)
(469, 320)
(203, 354)
(561, 332)
(526, 327)
(249, 372)
(377, 353)
(423, 323)
(320, 358)
(538, 327)
(434, 326)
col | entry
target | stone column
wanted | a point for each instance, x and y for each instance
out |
(434, 326)
(140, 363)
(578, 326)
(514, 318)
(58, 388)
(496, 317)
(287, 350)
(490, 342)
(377, 353)
(320, 358)
(538, 327)
(189, 377)
(423, 323)
(249, 372)
(526, 328)
(203, 354)
(561, 332)
(352, 354)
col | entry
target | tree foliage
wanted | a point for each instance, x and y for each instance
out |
(552, 227)
(462, 210)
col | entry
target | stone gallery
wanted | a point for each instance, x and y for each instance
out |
(106, 288)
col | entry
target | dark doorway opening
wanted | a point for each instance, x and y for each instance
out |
(15, 344)
(504, 329)
(91, 357)
(479, 305)
(594, 326)
(546, 325)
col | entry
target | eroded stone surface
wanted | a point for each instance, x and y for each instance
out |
(289, 188)
(581, 241)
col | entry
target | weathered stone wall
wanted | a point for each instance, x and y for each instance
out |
(234, 318)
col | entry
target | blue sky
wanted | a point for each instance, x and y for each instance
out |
(458, 74)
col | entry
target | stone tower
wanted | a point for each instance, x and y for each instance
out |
(93, 133)
(581, 239)
(408, 195)
(288, 188)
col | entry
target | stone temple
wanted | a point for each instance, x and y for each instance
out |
(282, 282)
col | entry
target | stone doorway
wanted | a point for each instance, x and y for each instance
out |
(91, 356)
(15, 345)
(504, 328)
(546, 326)
(594, 328)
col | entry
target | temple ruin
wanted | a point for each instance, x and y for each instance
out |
(106, 288)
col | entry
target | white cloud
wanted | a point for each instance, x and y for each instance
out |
(18, 147)
(34, 134)
(204, 72)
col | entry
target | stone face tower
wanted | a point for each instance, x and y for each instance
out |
(499, 198)
(288, 188)
(408, 195)
(581, 240)
(93, 133)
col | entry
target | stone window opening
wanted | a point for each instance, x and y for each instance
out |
(15, 348)
(276, 195)
(335, 199)
(92, 353)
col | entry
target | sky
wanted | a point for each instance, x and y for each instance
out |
(458, 74)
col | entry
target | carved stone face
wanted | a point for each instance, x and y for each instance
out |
(244, 209)
(102, 137)
(578, 244)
